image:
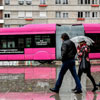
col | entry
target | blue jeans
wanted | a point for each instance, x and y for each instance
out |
(69, 64)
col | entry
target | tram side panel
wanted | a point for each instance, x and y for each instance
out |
(72, 31)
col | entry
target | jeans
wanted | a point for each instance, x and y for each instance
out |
(69, 64)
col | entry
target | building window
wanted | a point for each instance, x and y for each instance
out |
(94, 14)
(87, 1)
(58, 1)
(28, 2)
(7, 15)
(80, 1)
(80, 14)
(21, 14)
(61, 2)
(83, 1)
(65, 15)
(94, 1)
(21, 2)
(21, 25)
(7, 2)
(42, 2)
(64, 1)
(7, 25)
(58, 14)
(87, 14)
(43, 14)
(29, 14)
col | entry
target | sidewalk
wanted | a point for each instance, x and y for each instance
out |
(93, 62)
(33, 83)
(37, 63)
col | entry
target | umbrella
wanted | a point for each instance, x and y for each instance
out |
(78, 39)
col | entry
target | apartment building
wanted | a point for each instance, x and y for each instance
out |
(17, 13)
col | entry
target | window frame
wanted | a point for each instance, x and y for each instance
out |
(22, 13)
(42, 1)
(7, 15)
(28, 2)
(59, 2)
(7, 2)
(43, 13)
(21, 2)
(94, 14)
(80, 14)
(27, 15)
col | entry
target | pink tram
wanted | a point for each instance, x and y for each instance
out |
(93, 31)
(31, 42)
(42, 41)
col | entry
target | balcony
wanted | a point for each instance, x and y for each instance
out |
(43, 5)
(80, 19)
(1, 21)
(94, 5)
(29, 19)
(1, 7)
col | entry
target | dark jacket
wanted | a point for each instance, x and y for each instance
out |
(68, 50)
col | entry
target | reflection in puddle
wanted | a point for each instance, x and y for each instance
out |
(93, 96)
(26, 96)
(28, 79)
(33, 83)
(42, 84)
(95, 68)
(49, 96)
(31, 73)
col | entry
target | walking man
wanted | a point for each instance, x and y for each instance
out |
(68, 52)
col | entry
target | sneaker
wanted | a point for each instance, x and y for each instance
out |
(98, 84)
(54, 90)
(74, 89)
(78, 91)
(94, 89)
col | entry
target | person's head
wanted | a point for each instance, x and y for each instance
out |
(64, 36)
(82, 42)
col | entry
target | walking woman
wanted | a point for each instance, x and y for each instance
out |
(84, 66)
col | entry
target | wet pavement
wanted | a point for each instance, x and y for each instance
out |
(33, 83)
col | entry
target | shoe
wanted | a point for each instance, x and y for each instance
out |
(54, 90)
(74, 89)
(98, 84)
(78, 91)
(94, 89)
(54, 96)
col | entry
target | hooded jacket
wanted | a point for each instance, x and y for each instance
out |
(68, 50)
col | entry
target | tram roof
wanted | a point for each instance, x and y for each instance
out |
(92, 28)
(29, 29)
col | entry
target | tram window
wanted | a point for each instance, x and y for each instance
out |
(42, 40)
(28, 42)
(11, 44)
(96, 38)
(21, 43)
(3, 43)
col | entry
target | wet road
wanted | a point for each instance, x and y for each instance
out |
(33, 83)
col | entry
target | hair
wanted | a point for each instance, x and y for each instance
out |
(82, 41)
(65, 36)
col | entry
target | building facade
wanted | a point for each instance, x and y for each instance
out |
(17, 13)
